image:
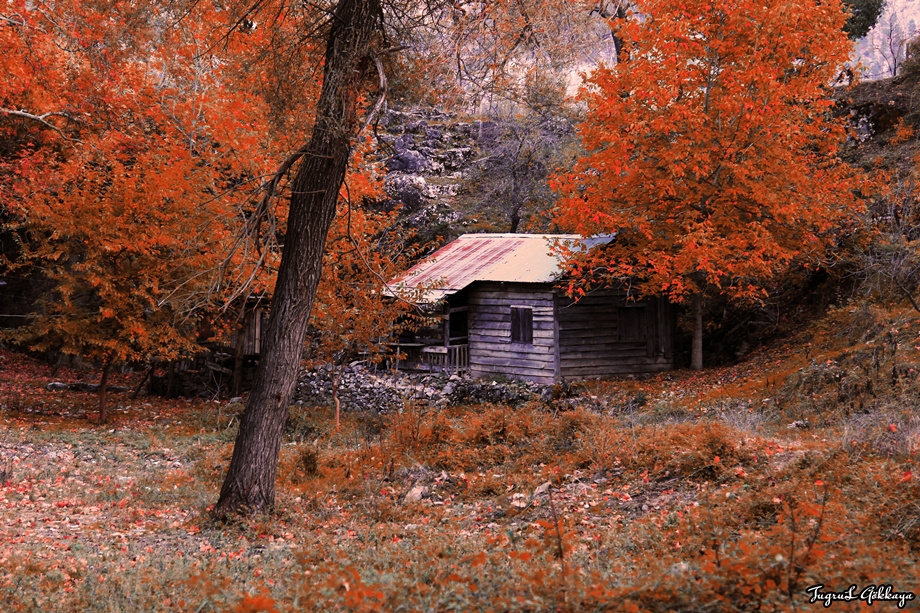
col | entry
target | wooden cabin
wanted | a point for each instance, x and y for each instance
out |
(494, 310)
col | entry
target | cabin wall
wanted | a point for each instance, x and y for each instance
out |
(603, 335)
(491, 348)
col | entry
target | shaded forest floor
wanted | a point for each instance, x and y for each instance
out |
(731, 489)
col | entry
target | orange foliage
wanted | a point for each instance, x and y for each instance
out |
(129, 154)
(712, 149)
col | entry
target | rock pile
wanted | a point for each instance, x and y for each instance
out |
(387, 393)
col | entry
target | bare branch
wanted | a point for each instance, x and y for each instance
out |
(13, 20)
(43, 119)
(381, 99)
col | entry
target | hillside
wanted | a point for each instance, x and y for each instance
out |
(877, 110)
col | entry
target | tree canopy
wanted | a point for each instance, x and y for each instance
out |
(123, 151)
(713, 149)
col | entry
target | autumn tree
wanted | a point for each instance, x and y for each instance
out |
(507, 186)
(353, 37)
(713, 152)
(119, 185)
(885, 253)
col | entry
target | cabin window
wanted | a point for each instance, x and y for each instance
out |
(521, 325)
(631, 326)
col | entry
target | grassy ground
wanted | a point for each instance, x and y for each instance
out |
(734, 489)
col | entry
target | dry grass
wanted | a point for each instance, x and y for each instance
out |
(686, 491)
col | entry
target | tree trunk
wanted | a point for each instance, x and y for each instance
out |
(137, 390)
(696, 350)
(249, 486)
(103, 385)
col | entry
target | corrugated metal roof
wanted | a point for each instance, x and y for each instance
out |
(512, 258)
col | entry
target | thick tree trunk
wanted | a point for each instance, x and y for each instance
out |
(249, 486)
(696, 349)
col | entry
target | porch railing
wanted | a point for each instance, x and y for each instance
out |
(452, 359)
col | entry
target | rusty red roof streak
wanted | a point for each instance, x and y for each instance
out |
(512, 258)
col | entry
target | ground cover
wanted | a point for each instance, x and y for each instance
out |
(731, 489)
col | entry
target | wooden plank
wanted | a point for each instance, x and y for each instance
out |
(502, 306)
(604, 354)
(506, 333)
(602, 359)
(513, 289)
(607, 363)
(543, 354)
(600, 337)
(601, 351)
(575, 340)
(497, 365)
(609, 323)
(605, 358)
(497, 343)
(651, 329)
(544, 338)
(508, 363)
(506, 302)
(606, 315)
(587, 307)
(545, 326)
(576, 329)
(508, 348)
(588, 311)
(498, 315)
(493, 320)
(514, 351)
(478, 333)
(625, 369)
(536, 377)
(505, 297)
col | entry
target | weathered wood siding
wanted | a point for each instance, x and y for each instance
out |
(250, 344)
(603, 335)
(492, 351)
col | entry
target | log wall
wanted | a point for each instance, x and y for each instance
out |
(603, 335)
(492, 350)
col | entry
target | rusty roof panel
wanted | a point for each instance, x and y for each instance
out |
(512, 258)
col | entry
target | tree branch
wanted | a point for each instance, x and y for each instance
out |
(14, 20)
(43, 119)
(396, 294)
